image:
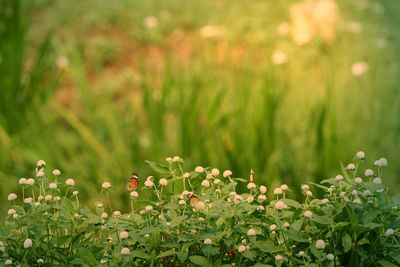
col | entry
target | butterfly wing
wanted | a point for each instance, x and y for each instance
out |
(133, 183)
(193, 200)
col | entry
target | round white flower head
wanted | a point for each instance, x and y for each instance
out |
(12, 196)
(358, 180)
(309, 193)
(40, 197)
(251, 185)
(40, 261)
(308, 213)
(40, 173)
(182, 202)
(56, 172)
(217, 190)
(305, 187)
(377, 180)
(106, 185)
(369, 172)
(215, 172)
(48, 197)
(366, 193)
(148, 208)
(199, 169)
(280, 205)
(117, 213)
(357, 200)
(28, 200)
(41, 163)
(185, 193)
(200, 205)
(186, 175)
(8, 262)
(359, 68)
(208, 241)
(30, 181)
(15, 216)
(70, 182)
(163, 182)
(354, 192)
(273, 227)
(176, 158)
(11, 212)
(103, 261)
(339, 177)
(389, 231)
(261, 198)
(278, 191)
(320, 244)
(232, 193)
(205, 183)
(53, 186)
(104, 215)
(286, 224)
(27, 243)
(169, 159)
(134, 194)
(260, 207)
(227, 173)
(330, 189)
(217, 181)
(209, 176)
(251, 232)
(201, 219)
(22, 181)
(382, 162)
(360, 154)
(123, 234)
(278, 258)
(263, 189)
(330, 257)
(125, 251)
(250, 199)
(241, 249)
(324, 201)
(351, 166)
(57, 198)
(342, 194)
(301, 253)
(284, 187)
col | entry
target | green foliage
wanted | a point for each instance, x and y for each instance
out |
(355, 224)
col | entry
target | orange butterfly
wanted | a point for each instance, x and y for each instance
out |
(193, 200)
(251, 175)
(133, 182)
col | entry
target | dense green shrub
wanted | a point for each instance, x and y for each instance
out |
(355, 223)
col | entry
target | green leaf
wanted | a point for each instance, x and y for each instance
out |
(140, 254)
(346, 242)
(87, 256)
(268, 246)
(322, 219)
(249, 254)
(296, 235)
(387, 264)
(291, 203)
(158, 167)
(260, 265)
(199, 260)
(166, 254)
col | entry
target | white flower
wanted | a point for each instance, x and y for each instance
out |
(30, 181)
(351, 166)
(389, 231)
(148, 183)
(339, 177)
(52, 185)
(200, 205)
(11, 212)
(185, 193)
(342, 194)
(330, 257)
(280, 205)
(380, 190)
(22, 181)
(40, 173)
(123, 235)
(147, 235)
(278, 258)
(8, 262)
(286, 224)
(103, 261)
(37, 203)
(40, 197)
(382, 162)
(354, 192)
(125, 251)
(28, 200)
(260, 207)
(357, 200)
(217, 190)
(27, 243)
(301, 253)
(134, 194)
(48, 197)
(261, 198)
(205, 183)
(278, 191)
(117, 213)
(367, 193)
(273, 227)
(360, 154)
(169, 159)
(41, 163)
(15, 216)
(377, 180)
(320, 244)
(358, 180)
(308, 213)
(217, 181)
(227, 173)
(70, 182)
(176, 158)
(278, 57)
(104, 215)
(369, 172)
(232, 193)
(56, 172)
(324, 201)
(207, 241)
(199, 169)
(150, 22)
(163, 182)
(106, 185)
(241, 249)
(284, 187)
(251, 185)
(57, 198)
(201, 219)
(186, 175)
(251, 232)
(330, 189)
(12, 196)
(305, 187)
(215, 172)
(148, 208)
(263, 189)
(359, 68)
(40, 261)
(182, 202)
(309, 193)
(250, 199)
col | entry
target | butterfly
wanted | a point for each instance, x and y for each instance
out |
(133, 182)
(193, 200)
(251, 175)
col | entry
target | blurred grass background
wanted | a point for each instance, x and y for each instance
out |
(96, 87)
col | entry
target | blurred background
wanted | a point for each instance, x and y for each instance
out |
(288, 88)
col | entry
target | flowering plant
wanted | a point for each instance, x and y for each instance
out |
(354, 223)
